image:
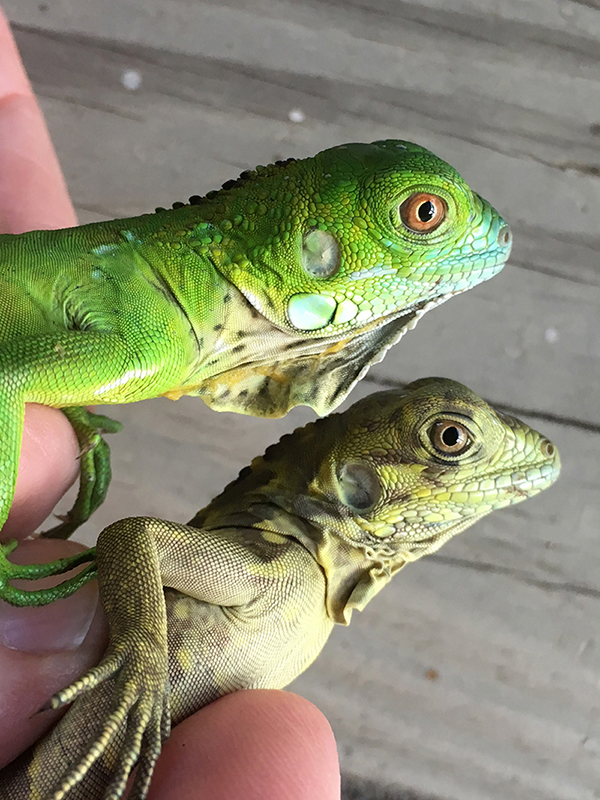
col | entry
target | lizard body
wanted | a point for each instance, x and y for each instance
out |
(277, 290)
(246, 595)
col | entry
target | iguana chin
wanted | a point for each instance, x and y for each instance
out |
(279, 289)
(246, 595)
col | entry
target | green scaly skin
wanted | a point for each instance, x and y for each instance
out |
(278, 290)
(309, 532)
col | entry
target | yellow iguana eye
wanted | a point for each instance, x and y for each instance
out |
(423, 212)
(449, 437)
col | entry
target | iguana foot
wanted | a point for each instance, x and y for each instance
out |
(95, 471)
(41, 597)
(128, 698)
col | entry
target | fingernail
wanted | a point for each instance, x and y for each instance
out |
(61, 625)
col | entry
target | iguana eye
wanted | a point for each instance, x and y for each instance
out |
(423, 212)
(320, 254)
(449, 437)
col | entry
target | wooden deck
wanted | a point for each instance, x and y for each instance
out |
(476, 675)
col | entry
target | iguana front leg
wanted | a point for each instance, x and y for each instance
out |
(122, 708)
(121, 712)
(117, 359)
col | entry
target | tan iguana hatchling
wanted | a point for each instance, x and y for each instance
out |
(246, 595)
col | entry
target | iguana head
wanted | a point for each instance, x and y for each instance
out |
(413, 465)
(342, 253)
(413, 468)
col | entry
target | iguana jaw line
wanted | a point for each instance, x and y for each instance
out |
(420, 308)
(313, 344)
(414, 315)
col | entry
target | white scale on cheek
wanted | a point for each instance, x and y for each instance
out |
(309, 312)
(345, 312)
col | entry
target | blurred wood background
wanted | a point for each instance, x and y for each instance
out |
(476, 674)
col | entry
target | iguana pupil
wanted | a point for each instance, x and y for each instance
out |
(450, 436)
(426, 211)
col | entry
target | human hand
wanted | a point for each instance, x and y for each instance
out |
(256, 744)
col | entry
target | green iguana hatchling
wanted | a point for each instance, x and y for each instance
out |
(278, 290)
(246, 595)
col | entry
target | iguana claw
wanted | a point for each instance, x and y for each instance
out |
(125, 701)
(95, 472)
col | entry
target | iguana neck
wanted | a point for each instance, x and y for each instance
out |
(279, 496)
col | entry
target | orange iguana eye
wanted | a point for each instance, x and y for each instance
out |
(423, 212)
(450, 437)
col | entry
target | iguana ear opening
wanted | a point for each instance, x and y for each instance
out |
(358, 485)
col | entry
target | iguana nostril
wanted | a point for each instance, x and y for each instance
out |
(547, 448)
(504, 236)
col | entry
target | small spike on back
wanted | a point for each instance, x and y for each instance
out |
(243, 177)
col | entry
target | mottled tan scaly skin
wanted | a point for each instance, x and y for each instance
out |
(246, 595)
(278, 290)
